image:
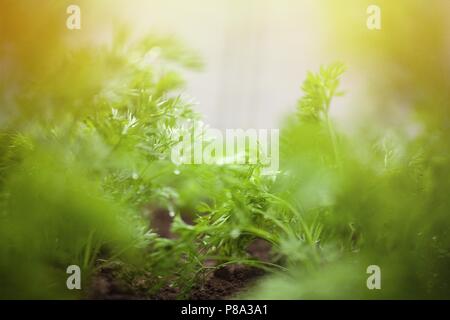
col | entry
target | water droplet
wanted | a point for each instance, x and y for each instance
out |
(235, 233)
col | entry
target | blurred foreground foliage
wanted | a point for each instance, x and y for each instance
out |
(85, 166)
(77, 153)
(367, 200)
(379, 193)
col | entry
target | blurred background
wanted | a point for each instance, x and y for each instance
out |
(255, 52)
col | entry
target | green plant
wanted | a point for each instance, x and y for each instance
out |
(74, 183)
(85, 167)
(381, 206)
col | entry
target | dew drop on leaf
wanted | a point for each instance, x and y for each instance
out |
(235, 233)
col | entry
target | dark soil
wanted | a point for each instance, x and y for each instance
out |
(223, 283)
(227, 282)
(106, 285)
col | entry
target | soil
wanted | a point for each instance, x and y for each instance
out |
(227, 282)
(223, 283)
